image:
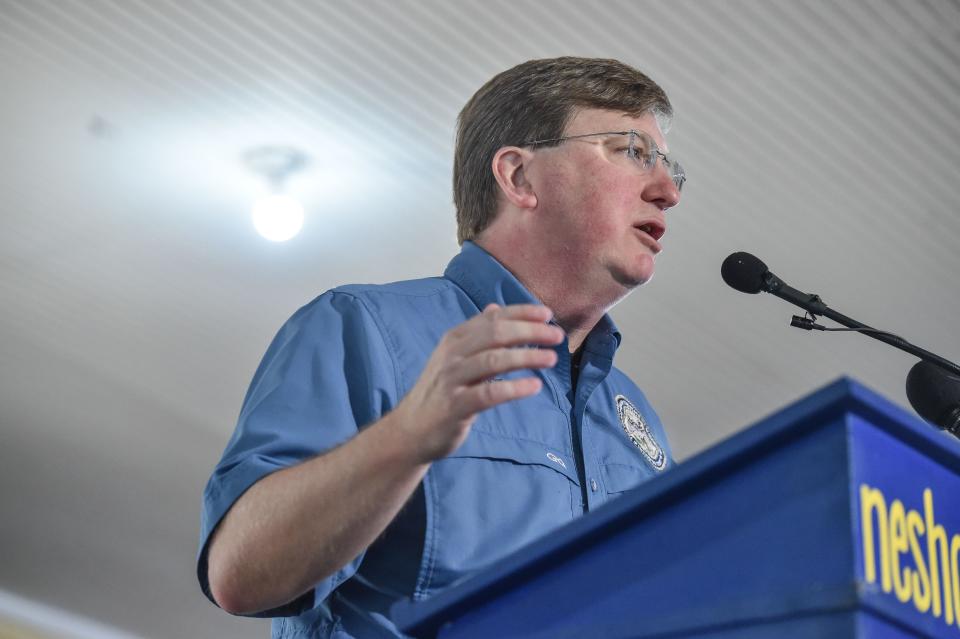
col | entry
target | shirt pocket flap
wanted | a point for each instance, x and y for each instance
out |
(618, 478)
(484, 445)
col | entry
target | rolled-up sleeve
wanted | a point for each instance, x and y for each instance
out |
(327, 374)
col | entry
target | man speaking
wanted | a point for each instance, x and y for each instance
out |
(397, 438)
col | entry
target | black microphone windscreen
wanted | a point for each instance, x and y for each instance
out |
(744, 272)
(934, 393)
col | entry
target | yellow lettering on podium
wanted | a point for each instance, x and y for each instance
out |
(910, 554)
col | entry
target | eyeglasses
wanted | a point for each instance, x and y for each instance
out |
(640, 148)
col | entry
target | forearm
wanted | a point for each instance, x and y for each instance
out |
(298, 526)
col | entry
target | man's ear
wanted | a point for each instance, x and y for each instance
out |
(509, 169)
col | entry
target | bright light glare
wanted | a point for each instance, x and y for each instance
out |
(278, 217)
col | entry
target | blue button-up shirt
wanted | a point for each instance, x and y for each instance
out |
(527, 467)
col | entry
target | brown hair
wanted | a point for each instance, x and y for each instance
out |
(534, 101)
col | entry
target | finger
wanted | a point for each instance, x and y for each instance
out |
(486, 364)
(471, 400)
(505, 333)
(530, 312)
(505, 326)
(493, 313)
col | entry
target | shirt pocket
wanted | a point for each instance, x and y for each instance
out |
(489, 498)
(619, 478)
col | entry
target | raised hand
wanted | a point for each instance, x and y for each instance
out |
(459, 382)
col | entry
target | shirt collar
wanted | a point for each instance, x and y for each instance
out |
(487, 281)
(606, 331)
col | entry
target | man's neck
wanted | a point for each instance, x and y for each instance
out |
(576, 317)
(577, 306)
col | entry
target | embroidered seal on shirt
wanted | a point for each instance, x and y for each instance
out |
(639, 433)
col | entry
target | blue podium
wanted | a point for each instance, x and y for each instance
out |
(836, 517)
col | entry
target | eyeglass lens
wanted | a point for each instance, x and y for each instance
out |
(644, 150)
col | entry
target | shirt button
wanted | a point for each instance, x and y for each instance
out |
(593, 485)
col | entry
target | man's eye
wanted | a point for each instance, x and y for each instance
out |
(639, 154)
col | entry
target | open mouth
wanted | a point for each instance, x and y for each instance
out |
(653, 229)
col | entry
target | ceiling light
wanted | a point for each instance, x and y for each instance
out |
(277, 217)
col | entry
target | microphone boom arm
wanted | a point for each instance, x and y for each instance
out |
(815, 306)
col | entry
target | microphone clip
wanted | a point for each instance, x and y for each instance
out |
(808, 322)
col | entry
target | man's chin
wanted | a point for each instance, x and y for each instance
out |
(632, 280)
(635, 275)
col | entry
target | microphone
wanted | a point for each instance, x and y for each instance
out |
(748, 274)
(935, 395)
(744, 272)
